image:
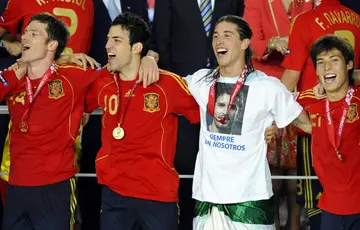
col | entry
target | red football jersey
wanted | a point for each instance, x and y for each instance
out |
(340, 179)
(141, 165)
(330, 17)
(45, 154)
(77, 15)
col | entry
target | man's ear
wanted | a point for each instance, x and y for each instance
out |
(350, 65)
(52, 45)
(137, 48)
(245, 43)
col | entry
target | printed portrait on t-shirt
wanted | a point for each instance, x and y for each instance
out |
(233, 118)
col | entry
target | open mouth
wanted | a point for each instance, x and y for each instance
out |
(111, 56)
(25, 48)
(330, 77)
(221, 51)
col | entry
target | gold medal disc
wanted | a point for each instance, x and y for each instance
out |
(118, 133)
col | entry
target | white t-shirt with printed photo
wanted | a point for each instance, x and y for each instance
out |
(231, 165)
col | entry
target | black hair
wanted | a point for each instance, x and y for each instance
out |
(56, 30)
(330, 42)
(139, 30)
(245, 32)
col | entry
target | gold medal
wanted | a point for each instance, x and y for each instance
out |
(339, 155)
(118, 133)
(23, 127)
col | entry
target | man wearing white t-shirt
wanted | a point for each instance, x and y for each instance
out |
(232, 180)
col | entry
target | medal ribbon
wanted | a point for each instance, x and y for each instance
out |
(120, 116)
(235, 91)
(335, 139)
(29, 91)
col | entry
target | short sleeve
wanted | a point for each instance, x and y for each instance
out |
(194, 79)
(306, 98)
(8, 83)
(92, 96)
(182, 102)
(80, 78)
(297, 46)
(12, 16)
(283, 105)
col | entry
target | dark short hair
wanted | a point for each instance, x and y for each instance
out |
(56, 30)
(329, 42)
(139, 30)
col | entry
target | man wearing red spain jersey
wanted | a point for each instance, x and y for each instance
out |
(77, 15)
(136, 161)
(335, 138)
(328, 17)
(46, 107)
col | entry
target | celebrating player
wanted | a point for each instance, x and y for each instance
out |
(232, 180)
(136, 160)
(335, 157)
(328, 17)
(45, 125)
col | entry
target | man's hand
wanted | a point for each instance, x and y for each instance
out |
(149, 71)
(12, 44)
(270, 133)
(80, 59)
(153, 54)
(319, 92)
(281, 44)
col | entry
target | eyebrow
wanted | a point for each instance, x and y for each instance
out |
(225, 32)
(115, 37)
(32, 30)
(332, 56)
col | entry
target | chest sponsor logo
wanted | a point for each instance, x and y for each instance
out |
(128, 94)
(56, 89)
(151, 102)
(352, 114)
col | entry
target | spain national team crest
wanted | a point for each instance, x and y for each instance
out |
(56, 89)
(352, 114)
(151, 102)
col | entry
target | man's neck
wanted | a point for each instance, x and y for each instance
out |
(233, 70)
(339, 94)
(130, 71)
(37, 69)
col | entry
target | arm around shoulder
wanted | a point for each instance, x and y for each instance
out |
(282, 104)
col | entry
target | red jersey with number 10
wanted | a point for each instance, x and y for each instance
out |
(340, 179)
(77, 15)
(141, 165)
(330, 17)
